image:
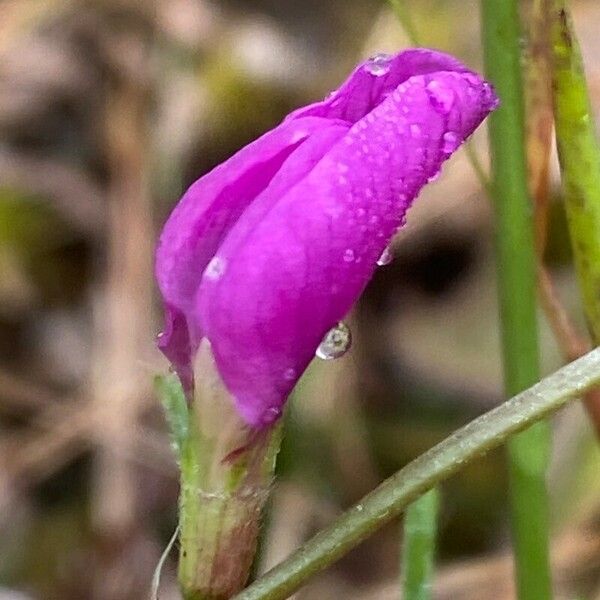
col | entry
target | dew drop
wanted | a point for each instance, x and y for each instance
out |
(441, 98)
(450, 142)
(379, 64)
(435, 176)
(386, 258)
(349, 255)
(215, 268)
(471, 79)
(336, 343)
(289, 374)
(415, 130)
(271, 415)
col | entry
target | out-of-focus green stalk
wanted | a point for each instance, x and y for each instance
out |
(388, 500)
(528, 452)
(403, 15)
(579, 155)
(418, 552)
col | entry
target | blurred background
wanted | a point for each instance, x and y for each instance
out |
(108, 110)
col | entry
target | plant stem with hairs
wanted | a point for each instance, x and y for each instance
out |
(226, 473)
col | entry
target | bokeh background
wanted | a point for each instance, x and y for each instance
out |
(108, 110)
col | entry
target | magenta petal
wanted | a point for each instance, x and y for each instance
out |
(295, 262)
(269, 250)
(203, 217)
(373, 80)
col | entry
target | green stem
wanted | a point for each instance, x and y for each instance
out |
(226, 474)
(529, 452)
(389, 499)
(418, 555)
(579, 154)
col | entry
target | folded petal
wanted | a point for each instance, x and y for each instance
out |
(203, 217)
(374, 79)
(296, 260)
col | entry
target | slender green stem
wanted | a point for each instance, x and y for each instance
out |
(389, 499)
(579, 154)
(420, 532)
(528, 452)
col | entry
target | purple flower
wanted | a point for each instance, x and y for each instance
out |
(267, 252)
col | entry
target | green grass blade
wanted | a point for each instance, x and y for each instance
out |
(418, 553)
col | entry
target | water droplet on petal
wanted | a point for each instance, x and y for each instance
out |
(435, 176)
(289, 374)
(472, 79)
(215, 268)
(336, 343)
(415, 130)
(349, 255)
(451, 142)
(386, 258)
(441, 97)
(379, 64)
(271, 415)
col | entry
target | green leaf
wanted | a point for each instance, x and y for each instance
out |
(579, 155)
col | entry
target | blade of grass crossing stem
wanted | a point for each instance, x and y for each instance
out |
(390, 498)
(528, 452)
(579, 155)
(418, 548)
